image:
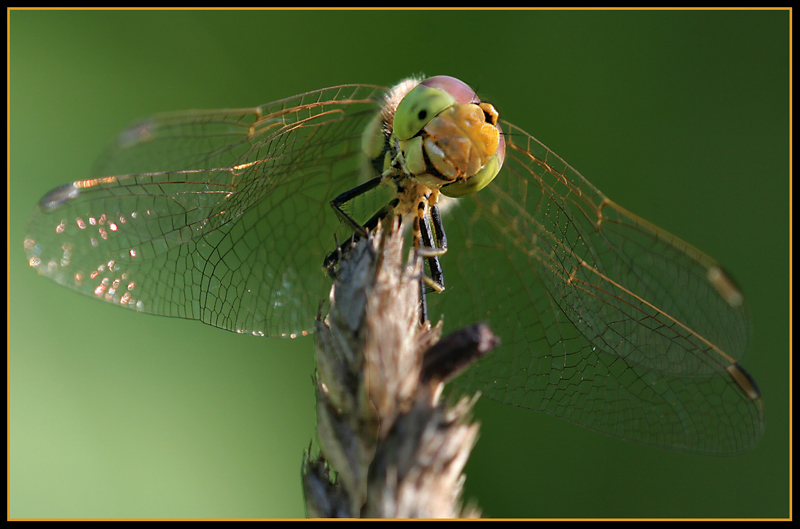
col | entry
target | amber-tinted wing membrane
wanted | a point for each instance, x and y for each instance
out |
(606, 320)
(224, 217)
(219, 216)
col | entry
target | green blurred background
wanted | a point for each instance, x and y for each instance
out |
(114, 414)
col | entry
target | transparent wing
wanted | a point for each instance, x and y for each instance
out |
(605, 319)
(219, 216)
(223, 217)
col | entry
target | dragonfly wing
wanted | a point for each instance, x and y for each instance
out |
(605, 319)
(217, 216)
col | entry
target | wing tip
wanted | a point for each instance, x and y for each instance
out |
(744, 380)
(725, 286)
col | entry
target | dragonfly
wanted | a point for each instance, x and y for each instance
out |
(229, 217)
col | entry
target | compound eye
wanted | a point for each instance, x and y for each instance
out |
(417, 108)
(457, 88)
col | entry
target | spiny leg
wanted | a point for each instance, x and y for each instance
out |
(349, 195)
(333, 258)
(438, 227)
(431, 253)
(359, 231)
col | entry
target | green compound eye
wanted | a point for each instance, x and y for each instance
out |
(417, 108)
(477, 182)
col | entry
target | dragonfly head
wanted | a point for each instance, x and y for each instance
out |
(447, 138)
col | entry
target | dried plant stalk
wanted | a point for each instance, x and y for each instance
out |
(398, 450)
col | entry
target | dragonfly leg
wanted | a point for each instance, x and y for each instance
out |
(436, 219)
(359, 231)
(349, 195)
(431, 252)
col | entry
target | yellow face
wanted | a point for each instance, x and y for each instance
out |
(446, 138)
